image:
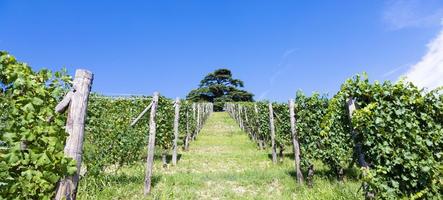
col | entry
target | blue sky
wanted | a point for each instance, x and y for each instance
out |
(276, 47)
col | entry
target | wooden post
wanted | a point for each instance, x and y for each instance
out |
(194, 118)
(247, 126)
(360, 156)
(237, 113)
(358, 149)
(259, 136)
(164, 160)
(188, 131)
(295, 143)
(240, 117)
(271, 126)
(176, 118)
(151, 144)
(75, 127)
(198, 119)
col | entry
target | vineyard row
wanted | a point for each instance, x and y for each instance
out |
(392, 131)
(44, 153)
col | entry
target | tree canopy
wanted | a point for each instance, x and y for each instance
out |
(219, 87)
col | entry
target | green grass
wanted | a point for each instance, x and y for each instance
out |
(221, 164)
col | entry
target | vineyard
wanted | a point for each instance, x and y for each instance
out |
(371, 140)
(39, 160)
(391, 132)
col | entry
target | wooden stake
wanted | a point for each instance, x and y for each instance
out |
(63, 105)
(151, 144)
(194, 118)
(358, 149)
(141, 114)
(188, 131)
(271, 126)
(247, 129)
(75, 127)
(240, 117)
(259, 136)
(295, 143)
(176, 118)
(198, 119)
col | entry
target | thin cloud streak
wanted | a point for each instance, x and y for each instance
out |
(393, 71)
(400, 14)
(281, 67)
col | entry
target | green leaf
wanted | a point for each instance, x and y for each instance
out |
(37, 101)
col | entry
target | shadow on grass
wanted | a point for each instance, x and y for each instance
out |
(285, 155)
(95, 184)
(351, 174)
(158, 158)
(323, 173)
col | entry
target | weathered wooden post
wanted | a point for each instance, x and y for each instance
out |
(361, 157)
(295, 142)
(164, 158)
(151, 144)
(358, 148)
(247, 126)
(188, 131)
(176, 118)
(240, 117)
(198, 119)
(234, 112)
(271, 126)
(260, 139)
(77, 100)
(194, 117)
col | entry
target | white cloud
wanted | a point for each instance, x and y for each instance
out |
(428, 72)
(399, 14)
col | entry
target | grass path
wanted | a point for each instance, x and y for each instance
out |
(221, 164)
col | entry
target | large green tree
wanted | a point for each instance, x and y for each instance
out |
(219, 87)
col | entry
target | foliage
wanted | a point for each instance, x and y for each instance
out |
(309, 112)
(109, 137)
(219, 87)
(400, 128)
(165, 123)
(31, 147)
(188, 117)
(336, 138)
(222, 164)
(283, 135)
(263, 120)
(110, 140)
